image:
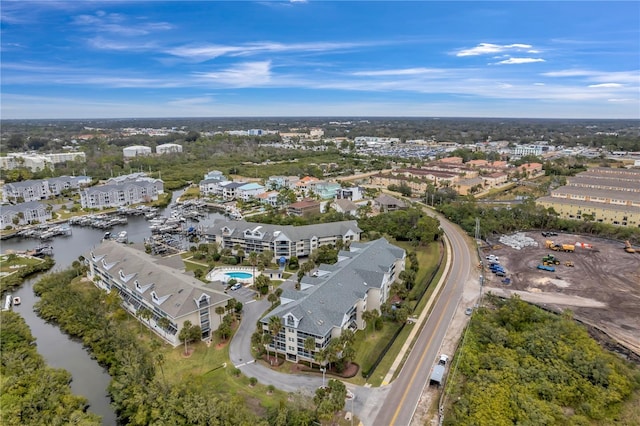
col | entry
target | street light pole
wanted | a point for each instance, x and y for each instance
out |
(324, 370)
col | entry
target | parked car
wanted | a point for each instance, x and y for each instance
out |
(236, 286)
(468, 311)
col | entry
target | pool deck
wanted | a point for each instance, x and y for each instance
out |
(218, 274)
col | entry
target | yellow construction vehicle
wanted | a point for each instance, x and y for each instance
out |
(568, 263)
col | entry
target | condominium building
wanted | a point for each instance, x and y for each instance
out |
(143, 282)
(283, 240)
(601, 194)
(334, 298)
(24, 213)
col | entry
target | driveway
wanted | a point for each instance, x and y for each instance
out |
(367, 401)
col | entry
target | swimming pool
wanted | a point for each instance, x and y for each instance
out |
(238, 275)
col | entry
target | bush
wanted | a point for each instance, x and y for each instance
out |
(229, 260)
(253, 381)
(236, 372)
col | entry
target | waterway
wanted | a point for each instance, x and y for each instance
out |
(59, 350)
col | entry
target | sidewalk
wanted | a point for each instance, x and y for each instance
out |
(421, 319)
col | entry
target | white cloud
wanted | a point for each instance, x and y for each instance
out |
(630, 77)
(210, 51)
(200, 100)
(248, 74)
(520, 61)
(404, 71)
(487, 48)
(606, 85)
(116, 23)
(622, 100)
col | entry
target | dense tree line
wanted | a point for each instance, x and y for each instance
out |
(32, 393)
(140, 395)
(522, 365)
(403, 225)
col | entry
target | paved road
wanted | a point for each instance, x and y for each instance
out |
(392, 404)
(399, 407)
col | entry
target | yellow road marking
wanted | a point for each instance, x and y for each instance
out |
(415, 372)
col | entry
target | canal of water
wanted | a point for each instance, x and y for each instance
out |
(59, 350)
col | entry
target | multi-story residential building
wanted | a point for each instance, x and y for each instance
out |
(63, 183)
(495, 179)
(229, 190)
(209, 187)
(387, 203)
(523, 150)
(25, 191)
(306, 207)
(24, 214)
(354, 193)
(469, 186)
(335, 299)
(249, 191)
(280, 182)
(343, 205)
(604, 195)
(41, 189)
(324, 190)
(36, 162)
(270, 198)
(63, 157)
(303, 186)
(118, 194)
(215, 175)
(143, 282)
(138, 177)
(283, 240)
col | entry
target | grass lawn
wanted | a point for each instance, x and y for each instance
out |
(11, 263)
(368, 344)
(210, 368)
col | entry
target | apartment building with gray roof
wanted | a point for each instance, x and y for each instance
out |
(143, 281)
(335, 298)
(283, 240)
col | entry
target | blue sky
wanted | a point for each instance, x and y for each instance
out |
(119, 59)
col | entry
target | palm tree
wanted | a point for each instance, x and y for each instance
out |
(220, 310)
(266, 341)
(253, 260)
(163, 323)
(275, 324)
(310, 346)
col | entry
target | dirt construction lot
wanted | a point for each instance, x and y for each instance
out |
(602, 288)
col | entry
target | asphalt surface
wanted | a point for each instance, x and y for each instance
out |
(398, 408)
(393, 404)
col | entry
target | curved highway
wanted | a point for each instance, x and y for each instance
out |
(400, 405)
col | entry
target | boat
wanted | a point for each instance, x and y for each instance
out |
(122, 237)
(106, 236)
(17, 301)
(7, 303)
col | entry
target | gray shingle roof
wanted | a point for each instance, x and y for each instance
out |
(182, 290)
(324, 305)
(293, 233)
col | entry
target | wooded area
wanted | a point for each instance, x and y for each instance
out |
(521, 365)
(32, 393)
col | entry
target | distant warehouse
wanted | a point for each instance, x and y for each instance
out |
(135, 151)
(168, 148)
(605, 195)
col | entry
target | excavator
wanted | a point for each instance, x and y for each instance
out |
(628, 248)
